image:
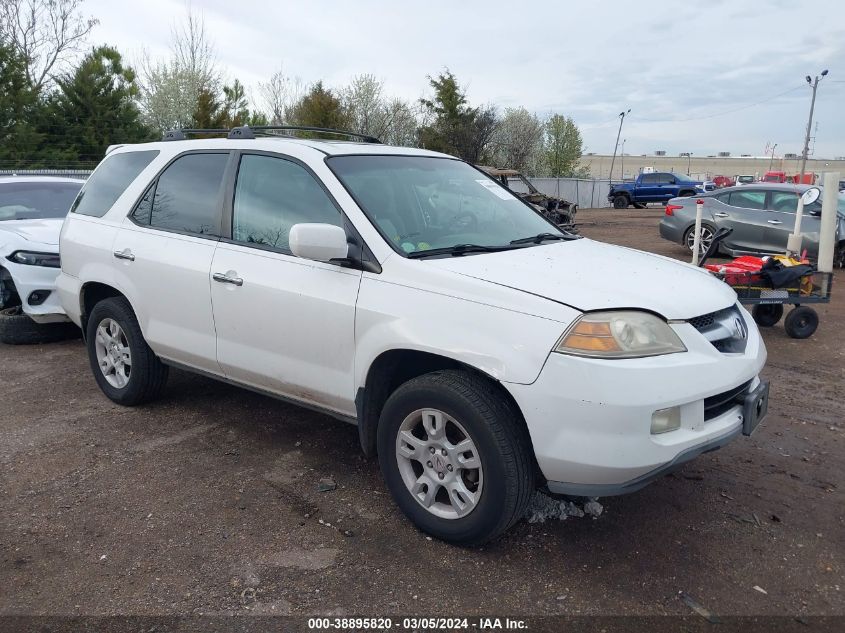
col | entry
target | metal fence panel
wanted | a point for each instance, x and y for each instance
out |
(587, 193)
(66, 173)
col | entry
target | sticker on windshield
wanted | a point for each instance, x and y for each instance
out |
(495, 189)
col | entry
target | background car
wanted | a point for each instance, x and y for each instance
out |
(761, 215)
(745, 179)
(32, 209)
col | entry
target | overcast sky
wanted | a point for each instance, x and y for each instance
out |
(702, 77)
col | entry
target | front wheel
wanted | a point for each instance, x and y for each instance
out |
(620, 202)
(124, 366)
(767, 314)
(455, 456)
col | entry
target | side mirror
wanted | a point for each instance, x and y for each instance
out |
(318, 242)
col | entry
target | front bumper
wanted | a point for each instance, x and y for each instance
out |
(590, 420)
(28, 279)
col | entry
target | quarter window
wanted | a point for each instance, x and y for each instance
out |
(748, 199)
(109, 181)
(273, 194)
(186, 197)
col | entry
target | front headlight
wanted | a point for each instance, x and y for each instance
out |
(619, 334)
(29, 258)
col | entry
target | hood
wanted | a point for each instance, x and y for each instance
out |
(589, 275)
(37, 231)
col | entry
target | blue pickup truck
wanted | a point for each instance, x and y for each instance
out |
(654, 187)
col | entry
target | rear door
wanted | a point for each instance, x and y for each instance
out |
(665, 187)
(163, 256)
(743, 211)
(284, 324)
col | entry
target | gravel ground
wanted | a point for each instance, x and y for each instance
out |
(209, 502)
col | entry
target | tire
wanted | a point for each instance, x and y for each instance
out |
(707, 230)
(686, 194)
(801, 322)
(146, 376)
(620, 202)
(499, 442)
(17, 328)
(767, 314)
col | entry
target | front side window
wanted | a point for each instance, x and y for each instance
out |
(650, 179)
(748, 199)
(186, 197)
(422, 203)
(36, 200)
(271, 195)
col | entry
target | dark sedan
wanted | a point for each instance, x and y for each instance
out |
(762, 215)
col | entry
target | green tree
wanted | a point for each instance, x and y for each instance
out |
(95, 107)
(563, 146)
(19, 104)
(208, 113)
(320, 107)
(455, 127)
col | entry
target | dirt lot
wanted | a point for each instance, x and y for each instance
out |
(207, 502)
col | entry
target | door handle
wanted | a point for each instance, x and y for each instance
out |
(774, 221)
(721, 215)
(224, 278)
(125, 254)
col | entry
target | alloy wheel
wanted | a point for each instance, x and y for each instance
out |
(705, 239)
(113, 354)
(439, 463)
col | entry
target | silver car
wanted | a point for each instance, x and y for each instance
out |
(762, 215)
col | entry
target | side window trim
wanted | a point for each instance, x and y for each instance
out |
(220, 212)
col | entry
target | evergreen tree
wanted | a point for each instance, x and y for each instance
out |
(95, 107)
(19, 105)
(320, 107)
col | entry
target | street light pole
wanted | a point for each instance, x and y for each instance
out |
(689, 160)
(615, 147)
(815, 86)
(773, 156)
(622, 160)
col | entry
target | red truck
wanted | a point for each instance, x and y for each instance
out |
(781, 176)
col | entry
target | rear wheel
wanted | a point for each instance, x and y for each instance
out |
(124, 366)
(801, 322)
(766, 315)
(707, 233)
(621, 202)
(455, 456)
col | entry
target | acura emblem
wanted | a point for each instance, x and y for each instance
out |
(740, 331)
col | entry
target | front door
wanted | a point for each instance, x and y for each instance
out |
(284, 324)
(781, 222)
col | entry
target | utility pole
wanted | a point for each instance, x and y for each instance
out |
(689, 160)
(773, 156)
(622, 159)
(618, 134)
(815, 86)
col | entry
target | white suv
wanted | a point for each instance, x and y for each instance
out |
(481, 351)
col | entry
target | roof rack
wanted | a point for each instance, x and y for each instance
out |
(247, 132)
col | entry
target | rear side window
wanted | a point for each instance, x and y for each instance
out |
(110, 180)
(748, 199)
(649, 179)
(186, 196)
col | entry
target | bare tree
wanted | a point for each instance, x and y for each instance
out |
(280, 93)
(170, 89)
(47, 33)
(403, 124)
(366, 109)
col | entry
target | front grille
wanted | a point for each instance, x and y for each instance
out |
(714, 406)
(726, 329)
(703, 321)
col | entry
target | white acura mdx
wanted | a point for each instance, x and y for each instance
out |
(481, 351)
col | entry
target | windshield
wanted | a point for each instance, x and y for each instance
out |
(745, 179)
(682, 178)
(36, 200)
(420, 203)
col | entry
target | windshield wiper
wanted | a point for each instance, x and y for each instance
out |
(459, 249)
(540, 237)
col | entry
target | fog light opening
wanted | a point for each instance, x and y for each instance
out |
(37, 297)
(665, 420)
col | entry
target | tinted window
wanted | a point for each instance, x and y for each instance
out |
(36, 200)
(110, 180)
(650, 179)
(748, 199)
(273, 194)
(186, 196)
(723, 197)
(664, 178)
(784, 201)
